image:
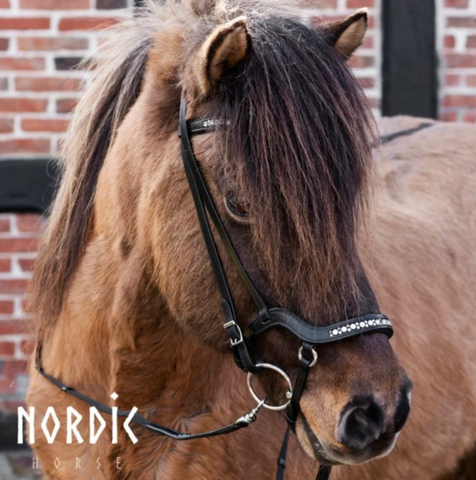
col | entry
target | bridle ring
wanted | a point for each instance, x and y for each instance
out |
(314, 357)
(289, 393)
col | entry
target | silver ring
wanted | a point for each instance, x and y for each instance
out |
(289, 393)
(314, 355)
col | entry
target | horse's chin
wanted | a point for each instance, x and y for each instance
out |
(331, 456)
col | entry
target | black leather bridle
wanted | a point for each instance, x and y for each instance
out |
(241, 336)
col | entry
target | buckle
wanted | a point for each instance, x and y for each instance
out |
(234, 341)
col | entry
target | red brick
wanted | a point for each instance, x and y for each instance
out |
(471, 42)
(4, 3)
(470, 117)
(367, 82)
(11, 327)
(7, 349)
(452, 80)
(12, 368)
(450, 41)
(19, 63)
(6, 307)
(368, 42)
(24, 23)
(18, 105)
(8, 386)
(54, 4)
(26, 264)
(456, 60)
(18, 245)
(44, 125)
(4, 225)
(47, 84)
(52, 43)
(460, 101)
(360, 3)
(361, 61)
(86, 23)
(28, 223)
(463, 22)
(6, 125)
(5, 266)
(66, 105)
(25, 145)
(27, 346)
(14, 285)
(456, 3)
(471, 80)
(4, 43)
(448, 116)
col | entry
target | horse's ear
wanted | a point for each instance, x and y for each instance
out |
(348, 35)
(226, 47)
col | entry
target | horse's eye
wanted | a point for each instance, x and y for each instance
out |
(235, 207)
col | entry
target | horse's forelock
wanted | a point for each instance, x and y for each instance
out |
(299, 148)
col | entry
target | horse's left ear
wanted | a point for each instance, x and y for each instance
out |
(226, 47)
(348, 35)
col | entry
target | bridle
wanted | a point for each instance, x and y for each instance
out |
(241, 336)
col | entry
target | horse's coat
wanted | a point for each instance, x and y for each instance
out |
(131, 306)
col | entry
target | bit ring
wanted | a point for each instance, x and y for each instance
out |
(289, 393)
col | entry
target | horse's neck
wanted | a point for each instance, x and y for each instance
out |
(116, 334)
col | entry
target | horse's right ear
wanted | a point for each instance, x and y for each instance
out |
(226, 47)
(347, 35)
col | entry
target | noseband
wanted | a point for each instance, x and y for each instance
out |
(241, 336)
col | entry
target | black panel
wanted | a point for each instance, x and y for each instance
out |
(410, 79)
(27, 185)
(9, 429)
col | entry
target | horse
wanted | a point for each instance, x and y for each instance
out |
(127, 309)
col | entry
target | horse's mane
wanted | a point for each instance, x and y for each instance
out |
(118, 71)
(307, 178)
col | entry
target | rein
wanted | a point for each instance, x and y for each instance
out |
(241, 336)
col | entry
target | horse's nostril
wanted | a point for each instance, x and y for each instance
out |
(361, 424)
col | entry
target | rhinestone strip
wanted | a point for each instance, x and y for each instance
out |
(362, 325)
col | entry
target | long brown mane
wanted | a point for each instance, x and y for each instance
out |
(300, 130)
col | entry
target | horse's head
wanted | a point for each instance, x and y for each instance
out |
(288, 172)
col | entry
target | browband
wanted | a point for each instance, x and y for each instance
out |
(279, 317)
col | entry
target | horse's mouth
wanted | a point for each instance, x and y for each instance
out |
(330, 456)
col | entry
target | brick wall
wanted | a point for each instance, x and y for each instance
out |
(40, 41)
(19, 236)
(457, 46)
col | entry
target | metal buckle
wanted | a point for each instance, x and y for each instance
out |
(232, 323)
(289, 393)
(314, 355)
(251, 416)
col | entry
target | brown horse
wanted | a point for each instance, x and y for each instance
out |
(124, 293)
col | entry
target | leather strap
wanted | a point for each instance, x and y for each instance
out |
(242, 422)
(279, 317)
(403, 133)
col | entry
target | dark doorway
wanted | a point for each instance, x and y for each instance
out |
(409, 74)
